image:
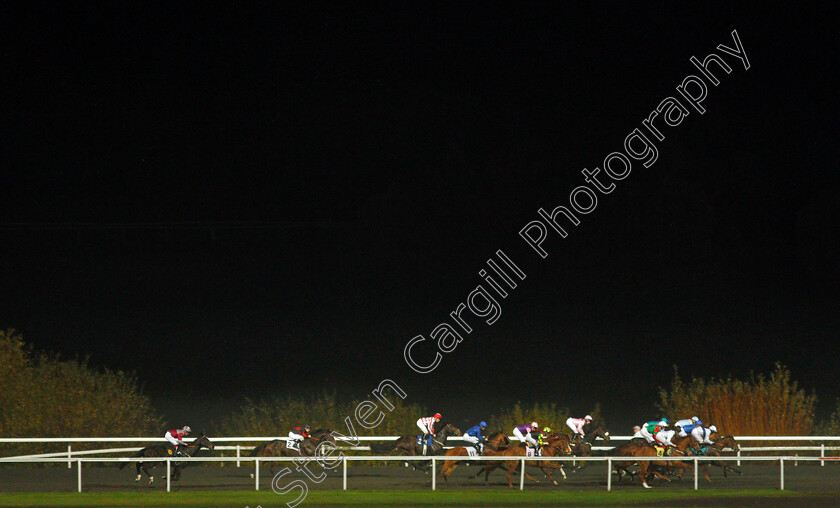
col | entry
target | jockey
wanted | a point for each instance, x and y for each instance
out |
(300, 433)
(427, 427)
(539, 436)
(664, 437)
(576, 424)
(686, 426)
(522, 432)
(176, 437)
(702, 435)
(650, 429)
(474, 436)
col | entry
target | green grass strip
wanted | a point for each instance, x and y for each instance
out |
(268, 499)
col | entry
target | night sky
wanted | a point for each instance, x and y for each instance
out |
(260, 201)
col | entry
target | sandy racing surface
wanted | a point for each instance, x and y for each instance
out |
(805, 478)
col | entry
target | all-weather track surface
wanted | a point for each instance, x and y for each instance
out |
(107, 478)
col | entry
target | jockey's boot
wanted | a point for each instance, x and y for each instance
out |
(480, 448)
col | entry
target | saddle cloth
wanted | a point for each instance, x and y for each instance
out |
(661, 452)
(472, 451)
(293, 444)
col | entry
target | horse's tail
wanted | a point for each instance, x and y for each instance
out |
(137, 454)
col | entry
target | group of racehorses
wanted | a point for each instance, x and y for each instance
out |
(496, 445)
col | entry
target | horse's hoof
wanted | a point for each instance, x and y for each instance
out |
(252, 476)
(555, 482)
(645, 485)
(137, 479)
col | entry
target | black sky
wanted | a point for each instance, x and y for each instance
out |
(266, 200)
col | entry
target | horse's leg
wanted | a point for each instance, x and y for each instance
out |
(547, 473)
(509, 473)
(643, 470)
(706, 473)
(137, 466)
(661, 476)
(146, 470)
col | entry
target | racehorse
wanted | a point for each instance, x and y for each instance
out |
(647, 450)
(407, 444)
(556, 445)
(167, 450)
(509, 462)
(496, 442)
(686, 446)
(690, 447)
(280, 447)
(716, 450)
(583, 447)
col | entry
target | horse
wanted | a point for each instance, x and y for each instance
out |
(280, 447)
(509, 465)
(582, 447)
(684, 445)
(407, 444)
(556, 445)
(690, 447)
(497, 441)
(716, 450)
(648, 450)
(167, 450)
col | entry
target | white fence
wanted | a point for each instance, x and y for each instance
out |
(435, 460)
(70, 455)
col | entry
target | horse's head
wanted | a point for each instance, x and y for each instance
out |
(600, 431)
(449, 430)
(202, 441)
(498, 440)
(562, 442)
(728, 442)
(323, 435)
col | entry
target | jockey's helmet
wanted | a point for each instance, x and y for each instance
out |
(534, 425)
(187, 429)
(695, 419)
(547, 430)
(587, 418)
(437, 415)
(483, 425)
(307, 427)
(712, 428)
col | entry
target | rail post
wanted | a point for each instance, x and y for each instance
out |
(696, 473)
(69, 456)
(237, 455)
(434, 474)
(781, 473)
(79, 475)
(739, 457)
(168, 474)
(256, 474)
(522, 476)
(609, 474)
(344, 474)
(822, 454)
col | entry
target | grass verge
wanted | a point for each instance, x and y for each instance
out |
(253, 499)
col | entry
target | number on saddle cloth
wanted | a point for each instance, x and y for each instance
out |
(293, 444)
(471, 451)
(660, 451)
(430, 442)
